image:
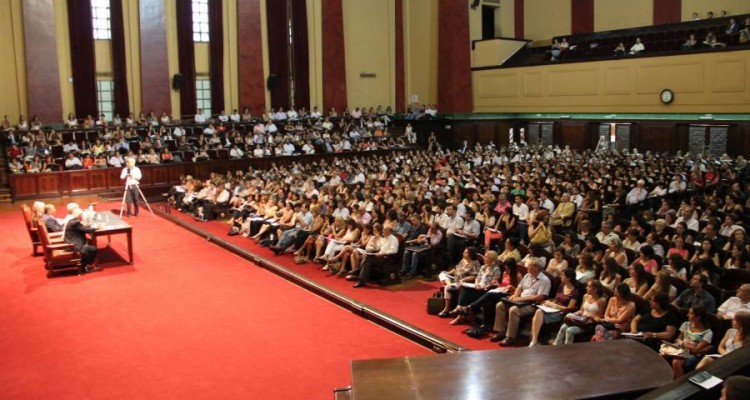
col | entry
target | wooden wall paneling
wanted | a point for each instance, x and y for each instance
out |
(463, 130)
(735, 140)
(679, 138)
(485, 132)
(98, 179)
(573, 134)
(24, 185)
(79, 181)
(113, 178)
(158, 176)
(502, 128)
(654, 136)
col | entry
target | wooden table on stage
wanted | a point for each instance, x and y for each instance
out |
(114, 225)
(576, 371)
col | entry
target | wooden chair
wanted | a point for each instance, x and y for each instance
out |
(58, 256)
(31, 228)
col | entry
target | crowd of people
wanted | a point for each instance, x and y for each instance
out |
(729, 32)
(32, 147)
(598, 243)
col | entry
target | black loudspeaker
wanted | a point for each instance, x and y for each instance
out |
(177, 81)
(271, 81)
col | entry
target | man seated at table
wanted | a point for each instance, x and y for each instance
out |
(533, 289)
(388, 247)
(52, 224)
(75, 234)
(732, 305)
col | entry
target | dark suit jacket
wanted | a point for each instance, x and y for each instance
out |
(51, 223)
(75, 233)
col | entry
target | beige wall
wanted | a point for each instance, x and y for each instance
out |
(710, 83)
(733, 7)
(315, 47)
(494, 52)
(231, 72)
(475, 22)
(507, 19)
(14, 100)
(201, 58)
(132, 54)
(618, 14)
(103, 56)
(369, 32)
(421, 50)
(544, 19)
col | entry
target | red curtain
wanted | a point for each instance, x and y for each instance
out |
(83, 62)
(278, 54)
(301, 59)
(186, 58)
(216, 55)
(119, 68)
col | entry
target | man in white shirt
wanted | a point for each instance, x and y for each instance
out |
(340, 211)
(688, 218)
(132, 177)
(315, 114)
(606, 236)
(638, 194)
(258, 152)
(729, 226)
(292, 114)
(210, 130)
(741, 302)
(235, 117)
(459, 238)
(576, 197)
(533, 289)
(236, 153)
(73, 162)
(70, 147)
(223, 117)
(280, 115)
(677, 185)
(178, 131)
(199, 117)
(115, 161)
(388, 247)
(289, 148)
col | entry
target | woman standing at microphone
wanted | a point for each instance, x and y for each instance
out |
(132, 176)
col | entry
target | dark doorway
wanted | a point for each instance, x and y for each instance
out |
(488, 22)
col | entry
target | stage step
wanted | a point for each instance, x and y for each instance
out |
(5, 196)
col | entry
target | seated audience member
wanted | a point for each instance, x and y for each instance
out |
(563, 213)
(199, 117)
(734, 304)
(661, 285)
(592, 307)
(620, 49)
(690, 43)
(712, 41)
(303, 221)
(488, 277)
(555, 309)
(638, 47)
(418, 243)
(696, 295)
(388, 247)
(695, 339)
(557, 264)
(734, 338)
(465, 271)
(658, 324)
(532, 290)
(618, 315)
(460, 237)
(610, 276)
(73, 162)
(75, 233)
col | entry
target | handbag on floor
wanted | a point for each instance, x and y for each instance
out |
(436, 303)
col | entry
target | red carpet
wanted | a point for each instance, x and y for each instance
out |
(188, 320)
(407, 301)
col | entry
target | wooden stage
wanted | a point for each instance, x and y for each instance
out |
(577, 371)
